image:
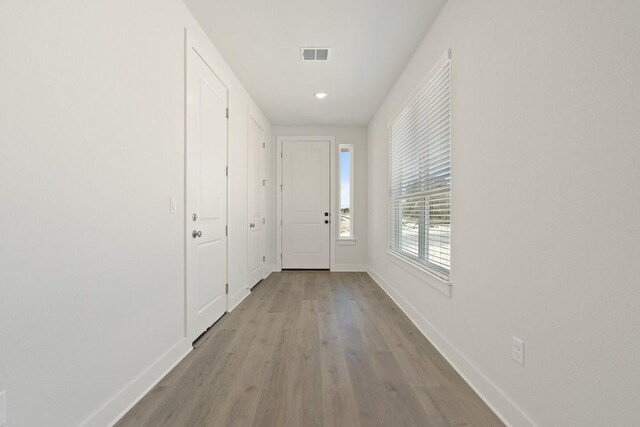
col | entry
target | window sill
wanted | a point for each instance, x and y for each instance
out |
(347, 241)
(421, 273)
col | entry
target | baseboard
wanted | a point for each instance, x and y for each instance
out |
(116, 407)
(237, 298)
(349, 267)
(494, 397)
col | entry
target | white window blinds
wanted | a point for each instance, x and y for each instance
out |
(420, 168)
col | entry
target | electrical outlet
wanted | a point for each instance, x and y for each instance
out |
(517, 350)
(3, 408)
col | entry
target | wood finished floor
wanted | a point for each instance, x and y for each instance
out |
(313, 349)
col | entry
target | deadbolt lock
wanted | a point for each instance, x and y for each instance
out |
(195, 217)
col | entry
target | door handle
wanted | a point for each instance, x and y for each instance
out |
(252, 225)
(326, 221)
(195, 233)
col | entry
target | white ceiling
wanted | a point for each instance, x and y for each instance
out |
(371, 41)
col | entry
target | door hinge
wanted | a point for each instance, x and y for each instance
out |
(226, 230)
(281, 154)
(227, 113)
(280, 187)
(280, 257)
(226, 288)
(281, 222)
(264, 182)
(226, 171)
(263, 258)
(263, 220)
(264, 144)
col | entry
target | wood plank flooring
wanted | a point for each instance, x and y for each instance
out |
(313, 349)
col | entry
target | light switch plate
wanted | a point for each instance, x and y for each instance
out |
(517, 350)
(3, 408)
(173, 205)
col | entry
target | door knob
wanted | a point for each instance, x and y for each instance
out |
(195, 233)
(326, 221)
(252, 225)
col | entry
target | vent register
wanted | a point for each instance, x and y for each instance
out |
(314, 53)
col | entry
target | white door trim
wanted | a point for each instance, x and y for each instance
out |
(332, 195)
(193, 42)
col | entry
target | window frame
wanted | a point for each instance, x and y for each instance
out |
(352, 237)
(415, 265)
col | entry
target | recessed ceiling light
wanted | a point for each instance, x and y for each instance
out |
(320, 95)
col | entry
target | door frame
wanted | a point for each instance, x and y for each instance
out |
(332, 194)
(252, 116)
(192, 42)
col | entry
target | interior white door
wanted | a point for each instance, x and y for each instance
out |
(256, 148)
(206, 196)
(306, 204)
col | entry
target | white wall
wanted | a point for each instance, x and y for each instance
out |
(546, 224)
(91, 149)
(350, 257)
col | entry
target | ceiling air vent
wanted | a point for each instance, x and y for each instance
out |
(314, 53)
(308, 54)
(322, 54)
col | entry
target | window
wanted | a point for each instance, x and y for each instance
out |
(346, 192)
(420, 171)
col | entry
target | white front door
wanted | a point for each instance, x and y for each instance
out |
(206, 196)
(256, 148)
(306, 204)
